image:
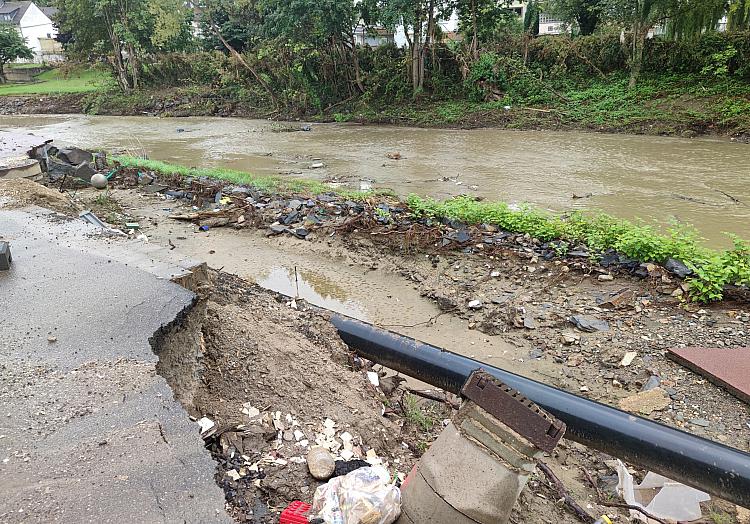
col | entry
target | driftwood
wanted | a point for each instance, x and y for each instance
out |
(581, 513)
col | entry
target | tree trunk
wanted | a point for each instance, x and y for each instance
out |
(474, 31)
(355, 63)
(241, 60)
(2, 73)
(640, 32)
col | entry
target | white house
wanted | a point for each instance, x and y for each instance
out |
(35, 26)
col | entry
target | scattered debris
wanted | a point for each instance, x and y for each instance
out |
(394, 156)
(91, 218)
(660, 497)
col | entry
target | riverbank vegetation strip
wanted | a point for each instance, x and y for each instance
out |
(712, 270)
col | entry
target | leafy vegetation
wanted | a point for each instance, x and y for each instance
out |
(12, 47)
(713, 270)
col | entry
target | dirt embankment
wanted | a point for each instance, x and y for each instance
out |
(41, 105)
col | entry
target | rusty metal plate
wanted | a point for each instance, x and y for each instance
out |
(514, 410)
(725, 367)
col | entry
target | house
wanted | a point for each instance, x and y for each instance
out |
(35, 26)
(372, 36)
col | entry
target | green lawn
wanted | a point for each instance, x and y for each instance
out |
(53, 82)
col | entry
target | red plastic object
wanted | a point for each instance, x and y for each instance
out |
(295, 513)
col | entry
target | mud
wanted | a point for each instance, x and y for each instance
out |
(248, 346)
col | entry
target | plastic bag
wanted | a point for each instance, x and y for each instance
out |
(364, 496)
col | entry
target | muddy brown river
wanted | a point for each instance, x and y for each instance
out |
(705, 182)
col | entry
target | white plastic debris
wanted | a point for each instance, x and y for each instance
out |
(374, 378)
(660, 496)
(364, 495)
(206, 425)
(234, 475)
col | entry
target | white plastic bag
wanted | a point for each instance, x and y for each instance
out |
(364, 496)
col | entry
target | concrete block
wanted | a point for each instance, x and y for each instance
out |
(467, 479)
(85, 171)
(75, 156)
(5, 257)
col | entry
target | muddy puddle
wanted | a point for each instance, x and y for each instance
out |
(701, 181)
(329, 277)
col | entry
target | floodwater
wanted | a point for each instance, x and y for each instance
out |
(705, 182)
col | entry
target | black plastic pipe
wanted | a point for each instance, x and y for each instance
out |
(719, 470)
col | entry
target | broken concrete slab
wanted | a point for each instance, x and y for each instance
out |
(75, 156)
(725, 367)
(19, 167)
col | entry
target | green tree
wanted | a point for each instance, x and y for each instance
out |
(419, 18)
(12, 47)
(584, 14)
(125, 31)
(484, 20)
(531, 19)
(738, 15)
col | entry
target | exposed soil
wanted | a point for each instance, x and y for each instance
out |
(246, 348)
(21, 192)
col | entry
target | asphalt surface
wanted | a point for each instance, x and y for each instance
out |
(88, 431)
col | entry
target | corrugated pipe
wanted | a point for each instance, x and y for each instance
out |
(719, 470)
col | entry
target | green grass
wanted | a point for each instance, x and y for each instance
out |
(273, 184)
(54, 82)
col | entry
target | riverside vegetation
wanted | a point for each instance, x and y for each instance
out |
(712, 270)
(274, 58)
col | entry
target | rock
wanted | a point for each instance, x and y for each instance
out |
(145, 179)
(75, 156)
(622, 299)
(475, 304)
(57, 170)
(569, 338)
(294, 205)
(276, 229)
(320, 463)
(291, 218)
(85, 171)
(700, 422)
(590, 325)
(646, 402)
(317, 165)
(574, 360)
(606, 278)
(677, 268)
(652, 383)
(528, 322)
